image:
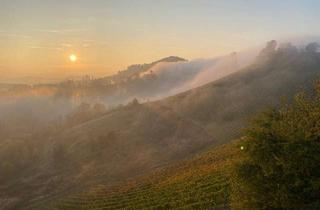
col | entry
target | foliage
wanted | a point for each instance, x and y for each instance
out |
(280, 167)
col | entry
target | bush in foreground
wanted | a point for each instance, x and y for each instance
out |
(281, 156)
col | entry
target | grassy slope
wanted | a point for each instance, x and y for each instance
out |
(199, 183)
(223, 107)
(133, 140)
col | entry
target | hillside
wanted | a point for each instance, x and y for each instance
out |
(199, 183)
(223, 107)
(122, 144)
(133, 140)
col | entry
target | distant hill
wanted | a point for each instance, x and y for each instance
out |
(133, 140)
(137, 69)
(112, 90)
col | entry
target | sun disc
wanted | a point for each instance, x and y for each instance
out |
(73, 58)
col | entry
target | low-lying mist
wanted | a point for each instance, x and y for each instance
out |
(27, 115)
(26, 108)
(203, 71)
(29, 106)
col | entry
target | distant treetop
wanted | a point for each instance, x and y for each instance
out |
(171, 59)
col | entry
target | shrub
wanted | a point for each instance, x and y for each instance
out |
(281, 156)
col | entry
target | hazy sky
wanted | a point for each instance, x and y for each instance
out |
(37, 36)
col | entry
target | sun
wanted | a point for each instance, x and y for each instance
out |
(73, 58)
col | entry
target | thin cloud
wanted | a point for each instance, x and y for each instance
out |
(95, 44)
(86, 45)
(66, 45)
(60, 31)
(49, 31)
(46, 48)
(8, 35)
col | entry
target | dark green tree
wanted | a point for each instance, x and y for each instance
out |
(279, 168)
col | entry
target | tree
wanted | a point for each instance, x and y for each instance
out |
(269, 49)
(312, 47)
(279, 168)
(134, 102)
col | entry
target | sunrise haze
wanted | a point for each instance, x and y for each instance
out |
(37, 37)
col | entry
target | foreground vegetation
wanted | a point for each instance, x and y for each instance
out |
(281, 158)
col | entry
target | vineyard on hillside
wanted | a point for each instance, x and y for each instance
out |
(200, 183)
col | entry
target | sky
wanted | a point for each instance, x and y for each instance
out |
(37, 37)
